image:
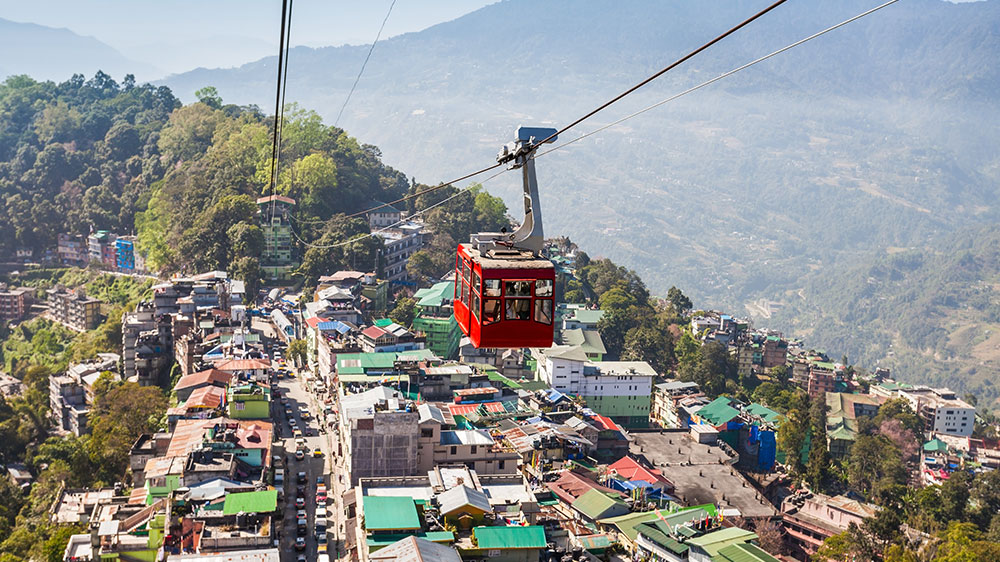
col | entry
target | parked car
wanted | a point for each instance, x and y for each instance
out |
(300, 502)
(299, 455)
(317, 452)
(302, 478)
(300, 543)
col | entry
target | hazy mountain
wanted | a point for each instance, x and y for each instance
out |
(47, 53)
(930, 314)
(880, 134)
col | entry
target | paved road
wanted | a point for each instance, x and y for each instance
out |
(296, 396)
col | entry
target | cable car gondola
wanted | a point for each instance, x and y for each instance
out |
(504, 287)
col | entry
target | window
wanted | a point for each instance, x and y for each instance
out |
(517, 288)
(491, 311)
(240, 406)
(518, 309)
(427, 432)
(454, 450)
(473, 449)
(500, 465)
(475, 304)
(543, 288)
(475, 281)
(543, 311)
(491, 287)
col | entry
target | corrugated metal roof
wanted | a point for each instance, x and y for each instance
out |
(462, 496)
(718, 411)
(387, 513)
(744, 553)
(595, 504)
(263, 501)
(507, 538)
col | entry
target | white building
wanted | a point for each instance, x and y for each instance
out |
(617, 389)
(941, 410)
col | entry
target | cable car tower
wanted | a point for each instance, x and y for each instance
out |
(504, 287)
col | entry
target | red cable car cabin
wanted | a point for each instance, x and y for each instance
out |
(504, 298)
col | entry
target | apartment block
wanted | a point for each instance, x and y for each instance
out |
(941, 410)
(74, 308)
(14, 302)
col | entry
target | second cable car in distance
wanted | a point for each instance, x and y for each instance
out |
(504, 287)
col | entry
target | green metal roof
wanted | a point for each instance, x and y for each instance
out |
(767, 414)
(594, 503)
(936, 446)
(385, 539)
(387, 513)
(433, 296)
(494, 376)
(360, 363)
(658, 532)
(263, 501)
(586, 316)
(627, 523)
(383, 322)
(588, 340)
(745, 552)
(718, 411)
(717, 540)
(507, 538)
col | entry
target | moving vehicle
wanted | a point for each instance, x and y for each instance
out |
(300, 543)
(302, 478)
(317, 452)
(299, 455)
(504, 287)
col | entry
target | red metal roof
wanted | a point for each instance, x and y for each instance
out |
(208, 397)
(606, 423)
(210, 376)
(242, 364)
(314, 321)
(630, 469)
(465, 409)
(571, 485)
(374, 332)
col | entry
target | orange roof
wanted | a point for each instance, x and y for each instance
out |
(242, 364)
(313, 321)
(210, 376)
(465, 409)
(374, 332)
(206, 397)
(188, 434)
(606, 423)
(281, 198)
(571, 485)
(630, 469)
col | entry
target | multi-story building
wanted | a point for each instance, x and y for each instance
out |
(72, 249)
(127, 257)
(941, 410)
(14, 302)
(811, 518)
(101, 248)
(249, 402)
(72, 394)
(401, 242)
(278, 258)
(74, 308)
(617, 389)
(147, 344)
(667, 401)
(843, 411)
(381, 433)
(384, 216)
(774, 352)
(436, 320)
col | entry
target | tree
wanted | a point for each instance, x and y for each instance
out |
(404, 312)
(678, 300)
(420, 267)
(963, 542)
(874, 462)
(298, 351)
(791, 437)
(209, 96)
(55, 546)
(903, 438)
(118, 420)
(898, 409)
(770, 536)
(818, 467)
(649, 343)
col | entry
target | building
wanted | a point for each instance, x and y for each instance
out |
(383, 215)
(401, 242)
(842, 414)
(618, 389)
(72, 394)
(72, 249)
(14, 302)
(127, 258)
(811, 518)
(667, 401)
(74, 308)
(278, 258)
(381, 433)
(577, 317)
(436, 320)
(101, 248)
(941, 410)
(589, 341)
(249, 402)
(147, 344)
(386, 336)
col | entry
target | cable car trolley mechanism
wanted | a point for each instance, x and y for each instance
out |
(504, 287)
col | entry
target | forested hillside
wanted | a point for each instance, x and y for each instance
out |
(931, 314)
(882, 133)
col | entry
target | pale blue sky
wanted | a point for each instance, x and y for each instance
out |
(177, 35)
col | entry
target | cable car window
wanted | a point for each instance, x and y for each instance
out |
(475, 304)
(475, 282)
(465, 293)
(491, 311)
(543, 311)
(491, 287)
(543, 288)
(468, 272)
(518, 309)
(517, 288)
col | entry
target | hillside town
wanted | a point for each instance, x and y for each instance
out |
(315, 426)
